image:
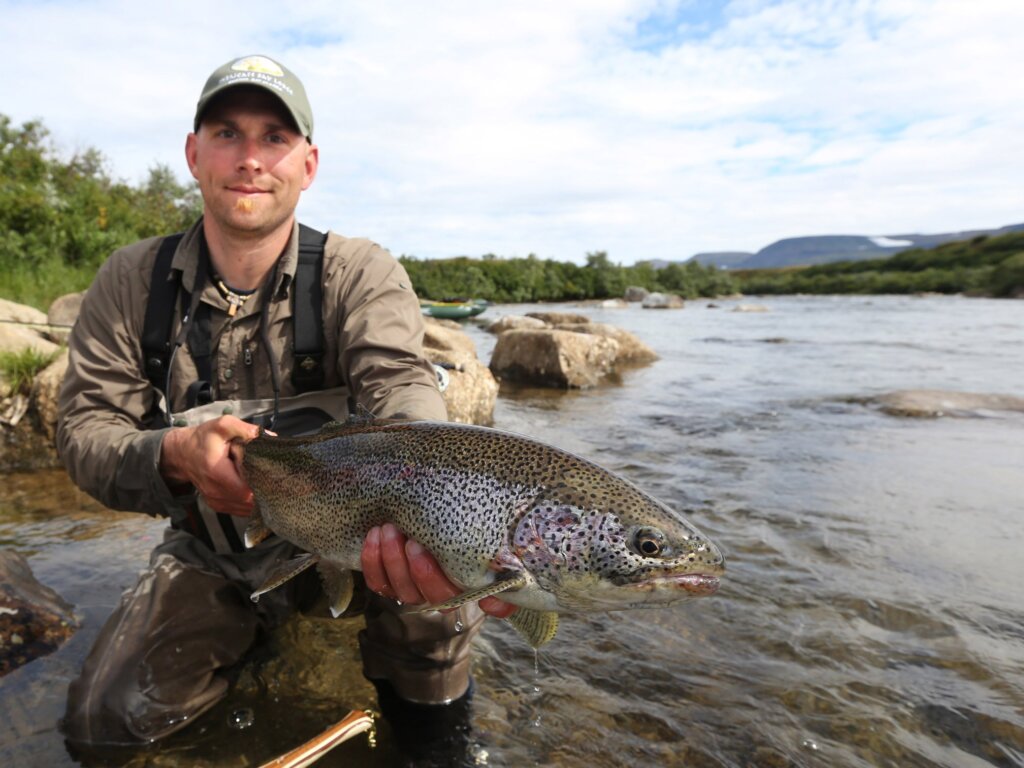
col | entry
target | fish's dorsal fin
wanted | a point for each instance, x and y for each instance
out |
(256, 531)
(338, 584)
(501, 584)
(289, 569)
(536, 627)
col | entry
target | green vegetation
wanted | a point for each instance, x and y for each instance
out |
(532, 279)
(18, 369)
(60, 219)
(989, 266)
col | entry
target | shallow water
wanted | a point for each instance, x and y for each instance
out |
(872, 613)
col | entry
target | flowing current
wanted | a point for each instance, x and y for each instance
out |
(873, 609)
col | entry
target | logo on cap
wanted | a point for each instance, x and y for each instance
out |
(259, 64)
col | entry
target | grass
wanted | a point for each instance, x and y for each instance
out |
(18, 369)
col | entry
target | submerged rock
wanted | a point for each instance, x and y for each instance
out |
(933, 403)
(34, 620)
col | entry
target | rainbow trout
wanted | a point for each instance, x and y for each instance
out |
(502, 514)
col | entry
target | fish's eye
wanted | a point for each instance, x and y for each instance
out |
(649, 542)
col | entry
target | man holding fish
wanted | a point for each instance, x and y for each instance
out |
(151, 433)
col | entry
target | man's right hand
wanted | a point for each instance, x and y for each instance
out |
(207, 457)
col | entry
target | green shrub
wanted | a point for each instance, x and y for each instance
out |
(19, 369)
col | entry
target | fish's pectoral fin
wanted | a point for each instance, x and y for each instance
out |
(289, 569)
(503, 583)
(256, 531)
(338, 584)
(536, 627)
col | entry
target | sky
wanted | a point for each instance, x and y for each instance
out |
(648, 129)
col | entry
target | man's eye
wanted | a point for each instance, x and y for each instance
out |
(276, 138)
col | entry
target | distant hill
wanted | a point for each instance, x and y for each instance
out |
(727, 259)
(825, 249)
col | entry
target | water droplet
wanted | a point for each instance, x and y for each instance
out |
(240, 719)
(397, 601)
(458, 626)
(809, 744)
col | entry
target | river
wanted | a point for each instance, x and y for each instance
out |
(873, 609)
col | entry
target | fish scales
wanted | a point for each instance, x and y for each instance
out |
(488, 504)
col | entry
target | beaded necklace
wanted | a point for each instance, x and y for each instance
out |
(234, 297)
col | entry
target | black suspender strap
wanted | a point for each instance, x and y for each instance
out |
(156, 331)
(308, 324)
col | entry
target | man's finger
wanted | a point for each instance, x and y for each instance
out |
(396, 564)
(373, 567)
(427, 574)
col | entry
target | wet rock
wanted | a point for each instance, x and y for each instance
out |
(34, 620)
(933, 403)
(472, 389)
(631, 350)
(750, 308)
(62, 315)
(662, 301)
(636, 293)
(553, 358)
(510, 322)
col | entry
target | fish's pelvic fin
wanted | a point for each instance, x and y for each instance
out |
(289, 569)
(536, 627)
(257, 530)
(338, 584)
(501, 584)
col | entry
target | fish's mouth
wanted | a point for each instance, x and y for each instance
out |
(697, 584)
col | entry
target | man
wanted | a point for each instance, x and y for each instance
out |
(159, 660)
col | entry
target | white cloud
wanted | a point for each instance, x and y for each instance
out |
(556, 128)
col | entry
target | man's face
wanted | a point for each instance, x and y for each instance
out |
(250, 162)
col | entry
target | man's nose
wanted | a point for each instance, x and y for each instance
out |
(249, 156)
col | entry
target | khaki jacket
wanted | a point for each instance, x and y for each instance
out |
(373, 332)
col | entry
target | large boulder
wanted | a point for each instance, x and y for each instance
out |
(45, 391)
(472, 390)
(62, 315)
(631, 350)
(553, 358)
(508, 322)
(23, 327)
(34, 620)
(662, 301)
(636, 293)
(558, 318)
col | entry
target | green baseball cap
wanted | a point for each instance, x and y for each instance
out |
(263, 72)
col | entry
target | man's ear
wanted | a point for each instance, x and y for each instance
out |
(312, 163)
(190, 153)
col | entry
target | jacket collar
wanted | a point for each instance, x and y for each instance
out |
(186, 259)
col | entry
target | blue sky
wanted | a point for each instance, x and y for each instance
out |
(646, 128)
